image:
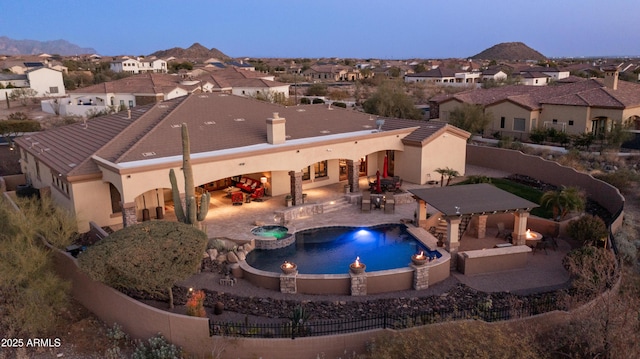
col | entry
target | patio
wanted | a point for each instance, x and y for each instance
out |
(544, 271)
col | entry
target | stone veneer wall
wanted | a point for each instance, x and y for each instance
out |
(274, 243)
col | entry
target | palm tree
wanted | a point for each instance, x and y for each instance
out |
(451, 173)
(563, 201)
(442, 172)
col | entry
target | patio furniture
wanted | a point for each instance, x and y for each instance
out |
(237, 198)
(366, 201)
(257, 194)
(540, 245)
(550, 242)
(390, 204)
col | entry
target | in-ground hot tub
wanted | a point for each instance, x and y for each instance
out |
(272, 237)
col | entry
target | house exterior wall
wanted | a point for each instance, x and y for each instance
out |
(47, 82)
(252, 91)
(580, 115)
(510, 112)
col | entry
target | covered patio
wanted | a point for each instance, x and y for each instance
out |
(470, 205)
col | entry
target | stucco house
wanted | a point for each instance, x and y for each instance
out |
(588, 106)
(139, 65)
(45, 81)
(240, 82)
(446, 77)
(110, 168)
(328, 73)
(124, 93)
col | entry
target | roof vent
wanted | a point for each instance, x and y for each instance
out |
(203, 96)
(72, 165)
(147, 154)
(163, 106)
(301, 110)
(223, 95)
(325, 132)
(209, 122)
(239, 119)
(367, 126)
(173, 125)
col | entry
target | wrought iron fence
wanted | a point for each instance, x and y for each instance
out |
(484, 310)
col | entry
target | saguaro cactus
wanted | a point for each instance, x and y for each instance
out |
(190, 214)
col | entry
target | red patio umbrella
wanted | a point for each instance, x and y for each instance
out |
(378, 187)
(385, 167)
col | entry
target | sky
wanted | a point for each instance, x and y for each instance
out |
(331, 28)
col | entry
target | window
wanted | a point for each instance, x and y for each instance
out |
(502, 121)
(519, 124)
(130, 103)
(555, 121)
(320, 169)
(53, 89)
(306, 173)
(37, 170)
(116, 203)
(570, 122)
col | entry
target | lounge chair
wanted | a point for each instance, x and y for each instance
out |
(366, 201)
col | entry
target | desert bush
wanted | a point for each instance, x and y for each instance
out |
(339, 104)
(157, 348)
(588, 229)
(317, 100)
(592, 269)
(305, 101)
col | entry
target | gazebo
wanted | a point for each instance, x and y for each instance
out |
(461, 203)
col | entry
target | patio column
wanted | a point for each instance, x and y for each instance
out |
(452, 242)
(353, 175)
(481, 229)
(520, 227)
(421, 213)
(129, 217)
(296, 187)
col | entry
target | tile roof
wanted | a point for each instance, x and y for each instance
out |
(147, 83)
(216, 122)
(437, 72)
(583, 93)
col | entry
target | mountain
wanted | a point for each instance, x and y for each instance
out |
(34, 47)
(512, 51)
(195, 51)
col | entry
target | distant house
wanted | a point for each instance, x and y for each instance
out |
(139, 65)
(588, 106)
(445, 77)
(493, 75)
(124, 93)
(327, 73)
(45, 81)
(540, 76)
(241, 82)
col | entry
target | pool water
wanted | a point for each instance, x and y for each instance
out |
(330, 250)
(278, 232)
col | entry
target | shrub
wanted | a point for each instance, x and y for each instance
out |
(538, 135)
(588, 229)
(195, 304)
(592, 269)
(317, 100)
(305, 101)
(158, 348)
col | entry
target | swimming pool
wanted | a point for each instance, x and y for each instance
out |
(330, 250)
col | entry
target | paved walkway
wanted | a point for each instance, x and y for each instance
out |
(543, 272)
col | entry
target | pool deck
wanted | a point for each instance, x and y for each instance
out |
(543, 272)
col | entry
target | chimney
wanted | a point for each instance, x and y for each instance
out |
(128, 114)
(276, 129)
(611, 78)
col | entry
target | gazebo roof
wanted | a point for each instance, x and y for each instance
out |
(472, 199)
